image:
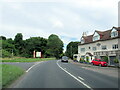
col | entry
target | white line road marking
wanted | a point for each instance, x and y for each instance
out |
(74, 76)
(32, 66)
(80, 78)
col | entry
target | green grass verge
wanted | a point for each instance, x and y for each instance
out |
(28, 59)
(10, 73)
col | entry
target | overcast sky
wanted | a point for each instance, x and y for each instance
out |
(66, 18)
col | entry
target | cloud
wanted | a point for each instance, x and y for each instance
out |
(66, 18)
(27, 32)
(57, 24)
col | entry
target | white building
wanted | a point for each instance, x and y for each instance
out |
(100, 44)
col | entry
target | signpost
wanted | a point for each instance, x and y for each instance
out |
(36, 54)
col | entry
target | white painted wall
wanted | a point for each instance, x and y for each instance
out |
(108, 43)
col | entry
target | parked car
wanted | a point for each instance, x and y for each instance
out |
(64, 59)
(99, 62)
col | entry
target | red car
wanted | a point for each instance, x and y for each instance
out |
(99, 62)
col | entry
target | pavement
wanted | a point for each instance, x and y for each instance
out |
(110, 71)
(57, 74)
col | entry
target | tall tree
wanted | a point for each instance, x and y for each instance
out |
(54, 46)
(18, 42)
(72, 48)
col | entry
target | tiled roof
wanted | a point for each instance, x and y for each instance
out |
(104, 35)
(88, 39)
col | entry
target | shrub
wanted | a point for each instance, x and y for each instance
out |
(105, 59)
(5, 53)
(116, 60)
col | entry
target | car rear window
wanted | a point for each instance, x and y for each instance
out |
(64, 57)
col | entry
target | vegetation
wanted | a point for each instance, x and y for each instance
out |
(27, 59)
(116, 60)
(10, 73)
(5, 53)
(54, 46)
(82, 60)
(105, 59)
(51, 47)
(72, 48)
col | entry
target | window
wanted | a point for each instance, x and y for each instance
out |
(82, 49)
(89, 47)
(94, 48)
(104, 47)
(96, 36)
(115, 46)
(114, 33)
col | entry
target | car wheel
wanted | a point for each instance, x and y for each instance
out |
(92, 63)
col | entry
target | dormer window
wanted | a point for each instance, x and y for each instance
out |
(82, 40)
(114, 33)
(96, 36)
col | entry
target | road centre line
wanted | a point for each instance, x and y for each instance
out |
(32, 66)
(74, 76)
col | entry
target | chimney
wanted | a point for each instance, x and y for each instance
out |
(84, 34)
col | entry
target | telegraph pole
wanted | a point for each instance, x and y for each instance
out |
(71, 50)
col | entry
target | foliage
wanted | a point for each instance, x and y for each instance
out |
(72, 48)
(2, 38)
(35, 43)
(9, 40)
(105, 58)
(18, 42)
(116, 60)
(82, 60)
(5, 53)
(54, 46)
(51, 47)
(87, 58)
(8, 47)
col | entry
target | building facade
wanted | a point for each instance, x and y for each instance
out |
(100, 45)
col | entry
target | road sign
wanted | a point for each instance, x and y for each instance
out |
(38, 54)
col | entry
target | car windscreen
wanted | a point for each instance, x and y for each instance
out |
(64, 57)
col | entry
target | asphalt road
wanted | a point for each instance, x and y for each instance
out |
(56, 74)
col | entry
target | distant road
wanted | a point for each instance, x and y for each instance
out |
(55, 74)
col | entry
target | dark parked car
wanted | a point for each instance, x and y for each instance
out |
(99, 62)
(64, 59)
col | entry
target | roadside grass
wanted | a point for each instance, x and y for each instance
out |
(10, 73)
(26, 59)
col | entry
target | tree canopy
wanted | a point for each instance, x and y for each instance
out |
(54, 46)
(51, 47)
(72, 48)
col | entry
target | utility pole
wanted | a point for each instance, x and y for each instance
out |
(71, 50)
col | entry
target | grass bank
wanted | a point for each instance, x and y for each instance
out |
(10, 73)
(27, 59)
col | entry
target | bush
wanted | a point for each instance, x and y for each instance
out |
(116, 60)
(74, 58)
(82, 60)
(105, 59)
(5, 53)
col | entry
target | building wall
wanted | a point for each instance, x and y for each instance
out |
(89, 47)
